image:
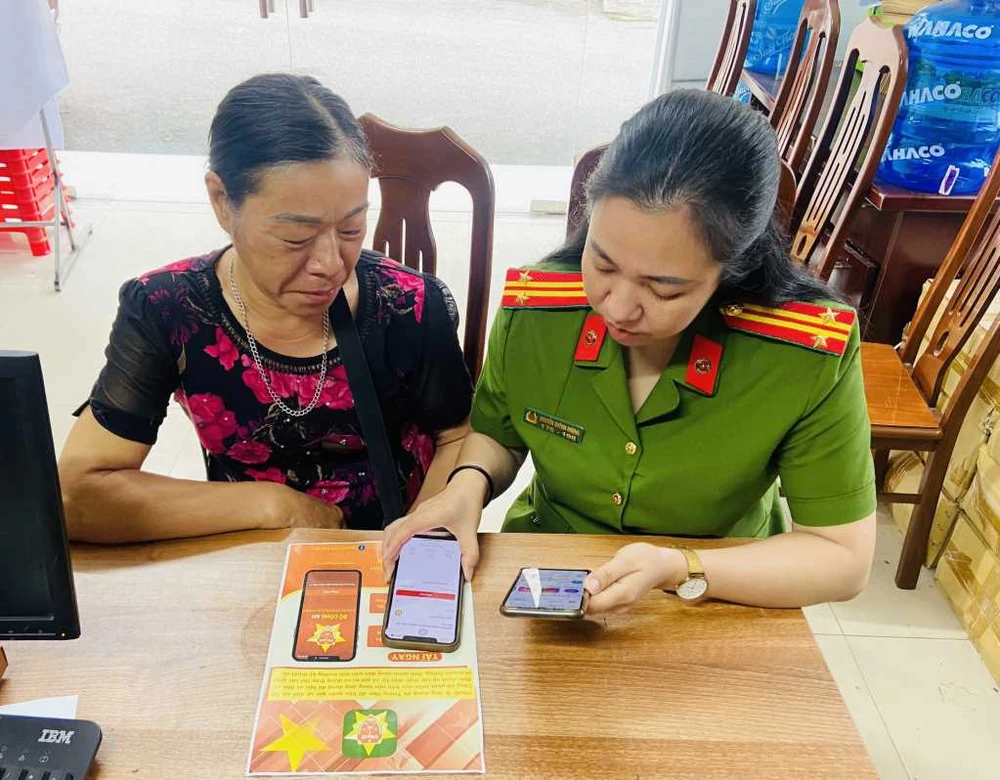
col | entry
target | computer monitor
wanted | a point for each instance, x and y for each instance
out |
(37, 598)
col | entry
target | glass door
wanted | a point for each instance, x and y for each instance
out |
(526, 82)
(146, 75)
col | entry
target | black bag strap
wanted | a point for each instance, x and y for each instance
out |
(369, 412)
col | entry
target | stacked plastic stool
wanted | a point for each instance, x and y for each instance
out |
(27, 194)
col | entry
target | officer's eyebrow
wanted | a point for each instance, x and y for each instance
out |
(674, 280)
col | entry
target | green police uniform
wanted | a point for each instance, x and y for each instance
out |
(752, 394)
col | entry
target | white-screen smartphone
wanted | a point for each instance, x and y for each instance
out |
(556, 594)
(424, 610)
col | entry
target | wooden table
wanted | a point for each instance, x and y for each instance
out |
(764, 88)
(897, 241)
(175, 637)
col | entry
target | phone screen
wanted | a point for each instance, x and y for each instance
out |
(328, 616)
(548, 590)
(424, 602)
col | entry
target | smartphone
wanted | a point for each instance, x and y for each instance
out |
(424, 609)
(555, 594)
(327, 627)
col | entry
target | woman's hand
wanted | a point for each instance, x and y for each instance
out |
(635, 569)
(458, 508)
(292, 509)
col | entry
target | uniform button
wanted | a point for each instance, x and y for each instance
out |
(535, 520)
(631, 449)
(617, 499)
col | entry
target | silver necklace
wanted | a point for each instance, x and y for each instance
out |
(260, 366)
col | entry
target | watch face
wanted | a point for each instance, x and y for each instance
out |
(693, 588)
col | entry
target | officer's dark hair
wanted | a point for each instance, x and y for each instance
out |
(720, 159)
(277, 119)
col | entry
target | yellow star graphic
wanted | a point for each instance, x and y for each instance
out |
(365, 729)
(819, 342)
(829, 316)
(522, 297)
(296, 740)
(327, 636)
(525, 277)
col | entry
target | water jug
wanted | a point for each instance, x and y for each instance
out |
(948, 126)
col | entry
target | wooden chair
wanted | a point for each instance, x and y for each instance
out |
(843, 162)
(409, 165)
(732, 48)
(803, 88)
(786, 195)
(576, 214)
(904, 390)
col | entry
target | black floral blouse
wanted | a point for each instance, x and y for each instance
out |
(175, 335)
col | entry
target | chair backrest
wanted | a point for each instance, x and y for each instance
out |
(846, 156)
(576, 213)
(803, 89)
(409, 165)
(732, 48)
(975, 254)
(786, 195)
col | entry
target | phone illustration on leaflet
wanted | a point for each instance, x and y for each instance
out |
(327, 626)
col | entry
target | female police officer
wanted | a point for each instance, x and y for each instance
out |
(665, 369)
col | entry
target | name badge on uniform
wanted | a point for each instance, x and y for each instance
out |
(546, 422)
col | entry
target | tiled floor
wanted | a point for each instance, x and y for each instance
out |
(923, 702)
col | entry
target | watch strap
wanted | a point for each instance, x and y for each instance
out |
(695, 567)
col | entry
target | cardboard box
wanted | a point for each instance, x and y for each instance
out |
(969, 576)
(899, 11)
(981, 504)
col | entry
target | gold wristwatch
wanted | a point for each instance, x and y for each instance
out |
(694, 587)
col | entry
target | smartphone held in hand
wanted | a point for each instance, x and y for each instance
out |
(424, 611)
(553, 594)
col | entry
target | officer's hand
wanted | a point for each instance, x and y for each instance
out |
(457, 509)
(635, 569)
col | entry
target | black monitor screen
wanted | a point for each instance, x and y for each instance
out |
(37, 600)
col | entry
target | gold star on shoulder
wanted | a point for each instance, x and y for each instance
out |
(829, 316)
(525, 277)
(522, 297)
(819, 342)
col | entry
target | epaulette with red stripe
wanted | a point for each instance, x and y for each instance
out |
(811, 325)
(529, 289)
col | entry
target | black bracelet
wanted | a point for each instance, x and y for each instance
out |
(472, 467)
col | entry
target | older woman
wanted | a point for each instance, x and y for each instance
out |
(241, 337)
